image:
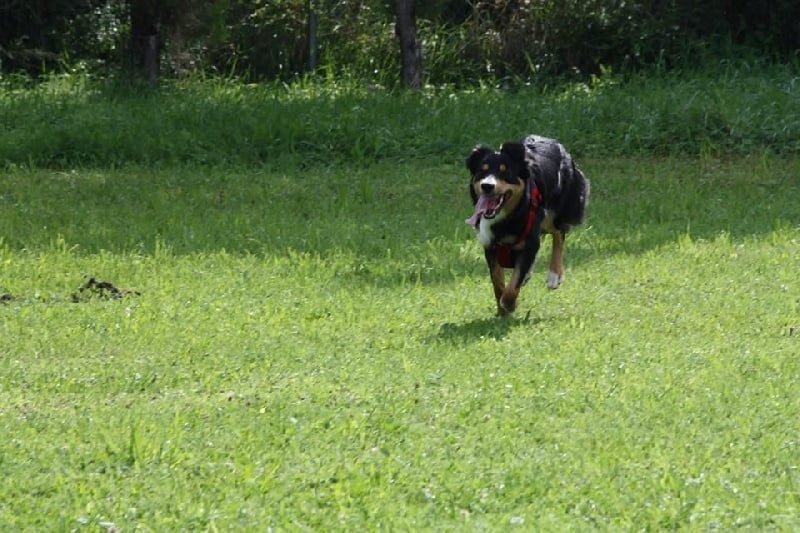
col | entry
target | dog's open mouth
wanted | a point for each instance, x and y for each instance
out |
(487, 207)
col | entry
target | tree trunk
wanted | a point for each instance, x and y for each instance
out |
(410, 50)
(312, 37)
(145, 47)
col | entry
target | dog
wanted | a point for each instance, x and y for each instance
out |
(527, 188)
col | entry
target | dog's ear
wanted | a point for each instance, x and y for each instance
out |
(516, 152)
(475, 158)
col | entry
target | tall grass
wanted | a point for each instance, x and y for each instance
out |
(69, 122)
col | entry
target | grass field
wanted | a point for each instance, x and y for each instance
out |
(315, 348)
(313, 344)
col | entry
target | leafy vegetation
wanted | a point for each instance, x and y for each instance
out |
(463, 43)
(70, 120)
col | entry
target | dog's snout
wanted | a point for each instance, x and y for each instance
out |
(487, 186)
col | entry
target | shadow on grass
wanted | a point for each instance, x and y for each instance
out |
(396, 229)
(495, 327)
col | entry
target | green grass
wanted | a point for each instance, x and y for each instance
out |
(69, 122)
(314, 347)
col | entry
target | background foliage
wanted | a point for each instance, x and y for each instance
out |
(463, 42)
(70, 121)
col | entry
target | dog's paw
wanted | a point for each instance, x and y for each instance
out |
(506, 305)
(554, 280)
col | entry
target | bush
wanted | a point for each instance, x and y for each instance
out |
(70, 121)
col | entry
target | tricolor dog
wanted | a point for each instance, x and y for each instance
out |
(524, 189)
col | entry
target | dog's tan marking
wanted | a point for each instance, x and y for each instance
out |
(518, 192)
(498, 280)
(485, 166)
(516, 278)
(507, 303)
(502, 167)
(547, 223)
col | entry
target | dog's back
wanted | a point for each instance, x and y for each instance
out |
(564, 188)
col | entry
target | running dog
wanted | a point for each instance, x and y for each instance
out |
(524, 189)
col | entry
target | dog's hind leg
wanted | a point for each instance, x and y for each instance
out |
(556, 274)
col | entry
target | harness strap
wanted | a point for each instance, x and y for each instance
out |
(504, 250)
(536, 198)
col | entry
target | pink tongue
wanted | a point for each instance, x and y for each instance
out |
(481, 206)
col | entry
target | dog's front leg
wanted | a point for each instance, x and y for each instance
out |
(522, 270)
(498, 276)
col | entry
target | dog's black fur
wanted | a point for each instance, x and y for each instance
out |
(524, 189)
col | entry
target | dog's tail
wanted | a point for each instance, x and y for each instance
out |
(574, 201)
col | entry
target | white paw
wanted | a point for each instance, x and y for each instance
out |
(553, 280)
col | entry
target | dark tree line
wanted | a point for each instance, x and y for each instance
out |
(385, 41)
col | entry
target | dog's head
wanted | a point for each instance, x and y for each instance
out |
(498, 180)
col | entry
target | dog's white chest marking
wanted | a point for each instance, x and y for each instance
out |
(485, 234)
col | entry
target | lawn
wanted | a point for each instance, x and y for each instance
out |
(314, 347)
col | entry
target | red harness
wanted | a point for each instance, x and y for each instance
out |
(504, 250)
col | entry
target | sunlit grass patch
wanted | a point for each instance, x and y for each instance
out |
(317, 348)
